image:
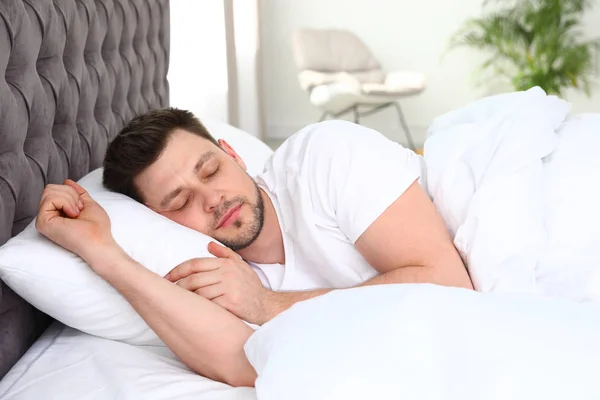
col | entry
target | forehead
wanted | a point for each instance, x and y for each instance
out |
(179, 157)
(179, 140)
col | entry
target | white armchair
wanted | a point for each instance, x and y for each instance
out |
(341, 75)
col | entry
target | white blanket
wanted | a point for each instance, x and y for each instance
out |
(517, 181)
(426, 342)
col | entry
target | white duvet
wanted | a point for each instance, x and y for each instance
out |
(518, 183)
(426, 342)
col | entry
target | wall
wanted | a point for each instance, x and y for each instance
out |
(403, 34)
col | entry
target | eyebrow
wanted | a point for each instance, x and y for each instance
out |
(201, 161)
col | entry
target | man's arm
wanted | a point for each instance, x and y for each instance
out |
(207, 338)
(408, 243)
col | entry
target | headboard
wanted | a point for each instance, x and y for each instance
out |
(72, 72)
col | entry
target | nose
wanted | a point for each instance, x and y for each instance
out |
(212, 199)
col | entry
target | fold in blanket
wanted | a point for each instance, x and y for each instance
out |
(501, 172)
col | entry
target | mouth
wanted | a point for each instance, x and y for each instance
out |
(230, 217)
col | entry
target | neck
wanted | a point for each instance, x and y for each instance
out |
(268, 246)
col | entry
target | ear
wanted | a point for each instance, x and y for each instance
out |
(231, 152)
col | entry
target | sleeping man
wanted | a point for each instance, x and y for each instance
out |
(337, 206)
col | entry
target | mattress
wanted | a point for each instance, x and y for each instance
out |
(67, 364)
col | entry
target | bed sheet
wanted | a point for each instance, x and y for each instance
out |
(67, 364)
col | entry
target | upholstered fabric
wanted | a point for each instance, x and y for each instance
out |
(397, 83)
(334, 50)
(309, 79)
(72, 72)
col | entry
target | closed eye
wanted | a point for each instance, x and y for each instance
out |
(213, 173)
(187, 201)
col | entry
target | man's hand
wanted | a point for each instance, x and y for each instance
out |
(69, 217)
(227, 281)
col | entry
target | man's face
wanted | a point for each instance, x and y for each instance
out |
(205, 188)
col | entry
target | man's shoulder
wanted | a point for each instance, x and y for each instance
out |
(332, 130)
(310, 150)
(328, 137)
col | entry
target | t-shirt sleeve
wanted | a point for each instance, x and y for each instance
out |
(358, 173)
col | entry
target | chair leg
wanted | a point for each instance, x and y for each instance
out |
(404, 125)
(356, 115)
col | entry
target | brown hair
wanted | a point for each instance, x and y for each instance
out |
(141, 142)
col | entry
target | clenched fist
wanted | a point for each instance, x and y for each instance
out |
(69, 217)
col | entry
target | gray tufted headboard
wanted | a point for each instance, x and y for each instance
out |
(72, 72)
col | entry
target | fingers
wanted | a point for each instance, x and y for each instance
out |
(220, 251)
(62, 189)
(200, 280)
(211, 292)
(220, 301)
(193, 266)
(50, 195)
(55, 199)
(202, 264)
(63, 203)
(78, 189)
(68, 191)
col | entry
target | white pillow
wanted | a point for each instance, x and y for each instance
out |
(60, 284)
(428, 342)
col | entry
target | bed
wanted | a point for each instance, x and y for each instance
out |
(73, 72)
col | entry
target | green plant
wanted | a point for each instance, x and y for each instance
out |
(534, 43)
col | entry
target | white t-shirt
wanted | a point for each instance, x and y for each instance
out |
(328, 183)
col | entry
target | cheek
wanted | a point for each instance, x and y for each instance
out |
(243, 184)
